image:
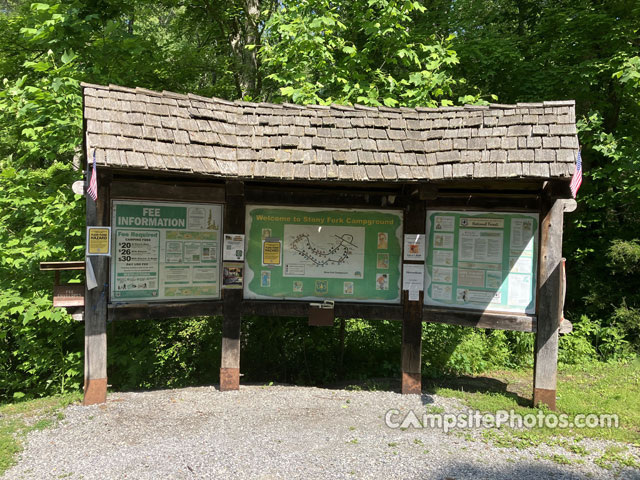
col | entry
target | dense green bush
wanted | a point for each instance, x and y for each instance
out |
(164, 353)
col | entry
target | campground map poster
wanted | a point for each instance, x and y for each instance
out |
(482, 261)
(316, 253)
(165, 251)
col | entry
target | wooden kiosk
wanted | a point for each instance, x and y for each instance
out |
(450, 215)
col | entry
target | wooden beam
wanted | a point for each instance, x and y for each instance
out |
(326, 197)
(468, 318)
(559, 189)
(480, 202)
(57, 266)
(415, 218)
(234, 218)
(164, 310)
(183, 191)
(95, 301)
(292, 308)
(549, 303)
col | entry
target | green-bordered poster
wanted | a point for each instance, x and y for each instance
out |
(321, 253)
(482, 261)
(165, 251)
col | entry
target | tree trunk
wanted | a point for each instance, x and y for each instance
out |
(245, 31)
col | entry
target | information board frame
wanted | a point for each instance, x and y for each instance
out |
(481, 242)
(204, 248)
(341, 225)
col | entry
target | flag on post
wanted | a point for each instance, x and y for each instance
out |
(576, 180)
(92, 191)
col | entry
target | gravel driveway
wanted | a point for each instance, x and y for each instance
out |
(269, 432)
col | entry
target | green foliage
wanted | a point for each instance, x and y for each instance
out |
(40, 219)
(577, 347)
(624, 256)
(170, 353)
(365, 52)
(593, 340)
(288, 350)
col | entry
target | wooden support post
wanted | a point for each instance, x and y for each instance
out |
(549, 304)
(95, 307)
(414, 222)
(232, 299)
(341, 350)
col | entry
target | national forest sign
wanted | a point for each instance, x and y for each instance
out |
(482, 261)
(165, 251)
(318, 253)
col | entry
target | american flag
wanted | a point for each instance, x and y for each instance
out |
(92, 191)
(576, 180)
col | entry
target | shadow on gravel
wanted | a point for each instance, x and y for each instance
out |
(465, 383)
(476, 384)
(380, 384)
(463, 471)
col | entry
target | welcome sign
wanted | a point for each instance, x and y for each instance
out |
(315, 253)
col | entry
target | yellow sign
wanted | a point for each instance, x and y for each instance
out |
(98, 240)
(271, 252)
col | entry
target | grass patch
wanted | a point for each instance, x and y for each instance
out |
(616, 457)
(18, 419)
(595, 388)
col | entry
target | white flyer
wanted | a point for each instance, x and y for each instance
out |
(233, 247)
(414, 246)
(412, 276)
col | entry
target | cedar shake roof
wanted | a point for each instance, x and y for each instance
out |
(145, 130)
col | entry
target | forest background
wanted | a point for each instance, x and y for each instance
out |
(374, 52)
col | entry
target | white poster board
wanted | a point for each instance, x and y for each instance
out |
(482, 260)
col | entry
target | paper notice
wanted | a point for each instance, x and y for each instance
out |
(444, 223)
(519, 290)
(480, 246)
(470, 278)
(521, 232)
(91, 276)
(520, 264)
(493, 279)
(443, 257)
(414, 246)
(233, 247)
(477, 296)
(99, 241)
(442, 275)
(441, 292)
(271, 252)
(443, 240)
(174, 274)
(412, 276)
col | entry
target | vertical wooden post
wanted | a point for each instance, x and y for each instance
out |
(341, 349)
(414, 222)
(545, 368)
(232, 299)
(95, 306)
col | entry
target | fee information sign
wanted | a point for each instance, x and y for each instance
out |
(165, 251)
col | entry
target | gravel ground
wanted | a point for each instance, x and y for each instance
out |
(267, 432)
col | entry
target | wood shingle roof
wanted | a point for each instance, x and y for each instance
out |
(146, 130)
